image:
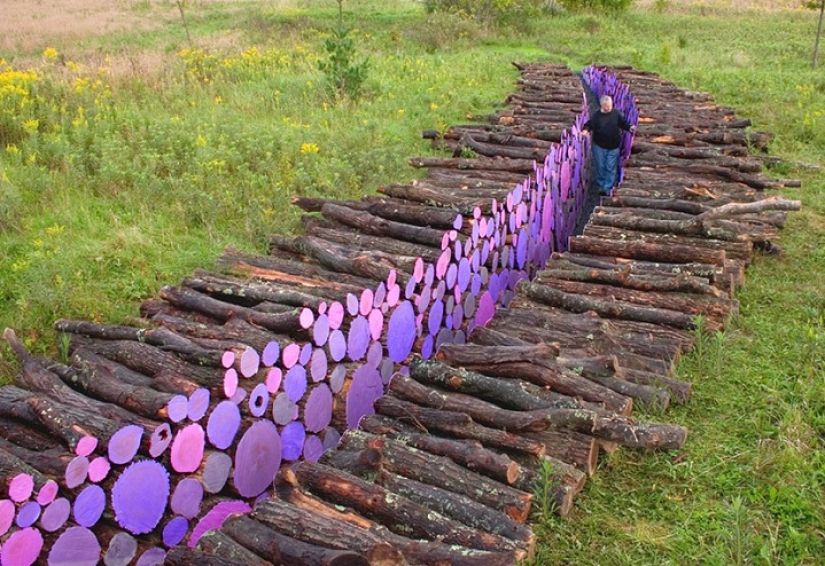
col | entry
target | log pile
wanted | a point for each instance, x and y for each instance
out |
(392, 386)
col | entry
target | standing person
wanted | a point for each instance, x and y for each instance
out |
(606, 126)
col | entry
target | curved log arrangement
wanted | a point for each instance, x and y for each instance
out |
(392, 386)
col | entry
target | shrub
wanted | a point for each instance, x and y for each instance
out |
(596, 5)
(493, 11)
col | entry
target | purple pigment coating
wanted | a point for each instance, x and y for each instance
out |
(55, 514)
(198, 404)
(76, 471)
(175, 531)
(139, 496)
(21, 487)
(295, 383)
(215, 518)
(379, 295)
(7, 511)
(320, 332)
(22, 548)
(187, 498)
(77, 546)
(290, 355)
(160, 440)
(292, 441)
(306, 318)
(258, 400)
(422, 302)
(485, 309)
(283, 409)
(337, 377)
(28, 514)
(318, 408)
(178, 406)
(152, 557)
(313, 448)
(230, 384)
(273, 380)
(228, 359)
(48, 492)
(85, 446)
(223, 425)
(89, 506)
(187, 449)
(445, 240)
(257, 459)
(353, 304)
(409, 290)
(99, 469)
(306, 354)
(365, 389)
(337, 345)
(427, 347)
(387, 369)
(469, 305)
(435, 318)
(124, 444)
(376, 324)
(365, 302)
(250, 362)
(331, 439)
(394, 294)
(270, 355)
(359, 338)
(318, 365)
(375, 354)
(216, 471)
(444, 337)
(122, 548)
(336, 315)
(443, 263)
(401, 332)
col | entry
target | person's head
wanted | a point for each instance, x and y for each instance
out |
(606, 103)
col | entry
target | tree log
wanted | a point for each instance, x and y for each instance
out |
(646, 251)
(218, 544)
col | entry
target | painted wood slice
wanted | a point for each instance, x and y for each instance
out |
(445, 336)
(475, 285)
(77, 546)
(443, 263)
(452, 275)
(21, 487)
(187, 498)
(313, 448)
(365, 389)
(365, 304)
(7, 512)
(230, 385)
(293, 436)
(154, 556)
(178, 406)
(409, 289)
(250, 362)
(89, 506)
(322, 307)
(28, 514)
(187, 448)
(306, 318)
(86, 446)
(337, 377)
(258, 400)
(422, 302)
(257, 459)
(320, 331)
(76, 471)
(121, 550)
(401, 332)
(55, 515)
(283, 409)
(139, 496)
(337, 345)
(379, 295)
(458, 250)
(427, 347)
(457, 317)
(175, 531)
(331, 439)
(239, 396)
(445, 240)
(215, 518)
(429, 274)
(228, 359)
(358, 339)
(353, 304)
(460, 337)
(436, 317)
(22, 548)
(394, 295)
(160, 440)
(124, 444)
(318, 409)
(306, 354)
(48, 492)
(271, 353)
(336, 315)
(216, 471)
(485, 310)
(295, 382)
(223, 425)
(387, 369)
(290, 355)
(375, 354)
(318, 365)
(198, 404)
(99, 469)
(376, 323)
(273, 379)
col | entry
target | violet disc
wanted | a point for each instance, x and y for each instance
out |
(493, 286)
(331, 439)
(198, 404)
(47, 493)
(313, 448)
(458, 251)
(186, 500)
(336, 315)
(423, 300)
(77, 546)
(374, 354)
(295, 382)
(336, 379)
(475, 286)
(477, 210)
(292, 441)
(76, 471)
(401, 332)
(215, 518)
(271, 353)
(99, 469)
(427, 347)
(469, 305)
(283, 409)
(379, 295)
(359, 338)
(306, 354)
(469, 248)
(55, 514)
(485, 252)
(458, 317)
(160, 440)
(152, 557)
(442, 263)
(440, 291)
(178, 406)
(139, 496)
(273, 380)
(7, 512)
(320, 332)
(290, 355)
(444, 337)
(28, 514)
(121, 550)
(187, 449)
(175, 531)
(22, 548)
(475, 232)
(337, 346)
(85, 446)
(448, 323)
(365, 389)
(435, 318)
(318, 409)
(429, 274)
(352, 304)
(257, 459)
(216, 471)
(230, 385)
(464, 273)
(409, 289)
(228, 359)
(239, 396)
(250, 362)
(306, 318)
(124, 444)
(452, 275)
(89, 506)
(376, 324)
(21, 487)
(485, 309)
(258, 400)
(318, 365)
(365, 304)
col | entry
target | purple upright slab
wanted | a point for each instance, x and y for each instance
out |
(485, 309)
(273, 379)
(271, 353)
(55, 515)
(401, 332)
(444, 337)
(409, 289)
(250, 362)
(139, 496)
(47, 493)
(435, 318)
(313, 448)
(28, 514)
(178, 406)
(121, 550)
(215, 518)
(365, 389)
(89, 506)
(331, 439)
(223, 424)
(458, 317)
(290, 355)
(293, 436)
(318, 408)
(318, 365)
(21, 487)
(337, 345)
(216, 471)
(124, 444)
(358, 339)
(445, 240)
(337, 377)
(283, 409)
(198, 404)
(452, 275)
(464, 273)
(154, 556)
(475, 285)
(22, 548)
(187, 497)
(295, 382)
(187, 448)
(336, 315)
(458, 250)
(99, 469)
(160, 440)
(86, 446)
(429, 274)
(427, 347)
(175, 531)
(257, 459)
(320, 331)
(76, 471)
(374, 354)
(469, 305)
(306, 318)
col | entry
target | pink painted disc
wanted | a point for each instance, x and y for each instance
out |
(47, 493)
(215, 518)
(86, 446)
(76, 471)
(22, 548)
(99, 469)
(250, 362)
(379, 295)
(352, 304)
(187, 449)
(365, 304)
(376, 323)
(318, 365)
(418, 270)
(7, 511)
(393, 294)
(445, 241)
(273, 379)
(322, 307)
(230, 383)
(443, 263)
(21, 487)
(227, 359)
(336, 315)
(306, 318)
(290, 355)
(391, 278)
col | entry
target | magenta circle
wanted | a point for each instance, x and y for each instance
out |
(230, 385)
(187, 449)
(306, 318)
(336, 315)
(320, 332)
(273, 379)
(86, 446)
(290, 355)
(21, 487)
(22, 548)
(47, 493)
(227, 359)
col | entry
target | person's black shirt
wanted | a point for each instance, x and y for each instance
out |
(607, 128)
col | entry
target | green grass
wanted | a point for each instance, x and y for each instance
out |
(173, 157)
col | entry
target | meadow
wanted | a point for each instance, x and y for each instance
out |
(133, 148)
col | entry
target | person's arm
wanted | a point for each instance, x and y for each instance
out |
(625, 125)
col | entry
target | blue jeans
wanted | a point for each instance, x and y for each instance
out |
(606, 163)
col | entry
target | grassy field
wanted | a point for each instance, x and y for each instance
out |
(131, 154)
